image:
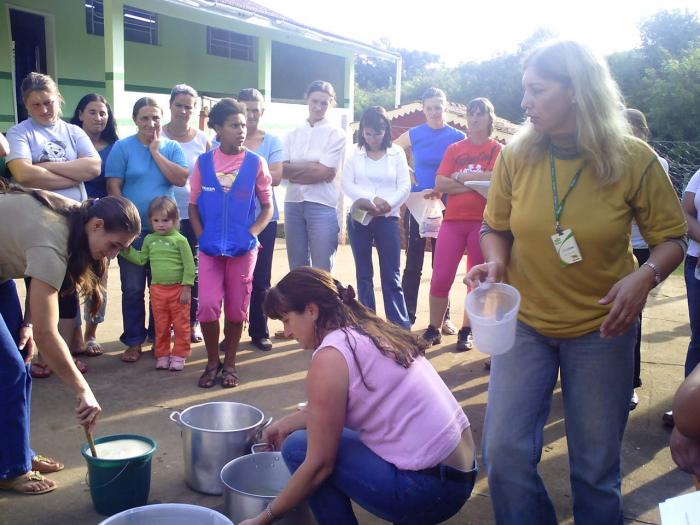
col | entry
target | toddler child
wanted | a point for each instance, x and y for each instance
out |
(172, 270)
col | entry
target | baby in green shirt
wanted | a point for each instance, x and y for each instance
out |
(173, 271)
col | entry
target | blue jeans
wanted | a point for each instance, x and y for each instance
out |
(257, 327)
(395, 495)
(134, 279)
(692, 358)
(596, 383)
(384, 231)
(15, 389)
(311, 233)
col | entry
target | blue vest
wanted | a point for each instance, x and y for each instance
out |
(227, 216)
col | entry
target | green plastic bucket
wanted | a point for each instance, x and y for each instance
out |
(119, 484)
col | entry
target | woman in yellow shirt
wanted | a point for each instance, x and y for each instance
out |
(557, 227)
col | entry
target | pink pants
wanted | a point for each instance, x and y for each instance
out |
(227, 279)
(453, 238)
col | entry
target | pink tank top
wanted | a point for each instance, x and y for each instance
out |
(410, 418)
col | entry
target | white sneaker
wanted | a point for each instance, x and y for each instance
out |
(634, 401)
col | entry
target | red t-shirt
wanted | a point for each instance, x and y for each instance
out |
(462, 156)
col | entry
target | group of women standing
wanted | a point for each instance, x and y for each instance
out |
(411, 457)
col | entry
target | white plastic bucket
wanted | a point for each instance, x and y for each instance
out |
(168, 514)
(493, 314)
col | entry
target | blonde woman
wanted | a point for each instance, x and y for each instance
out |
(574, 173)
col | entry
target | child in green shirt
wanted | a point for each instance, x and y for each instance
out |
(172, 270)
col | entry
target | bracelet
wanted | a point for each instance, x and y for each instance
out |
(27, 325)
(268, 511)
(655, 269)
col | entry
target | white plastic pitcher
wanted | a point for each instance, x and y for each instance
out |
(493, 312)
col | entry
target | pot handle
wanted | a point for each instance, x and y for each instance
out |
(263, 426)
(177, 421)
(255, 446)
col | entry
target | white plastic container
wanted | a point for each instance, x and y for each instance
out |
(493, 312)
(168, 514)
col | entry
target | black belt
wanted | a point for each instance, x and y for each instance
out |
(447, 473)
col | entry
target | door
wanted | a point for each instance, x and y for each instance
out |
(29, 46)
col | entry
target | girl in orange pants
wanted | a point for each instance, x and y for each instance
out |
(172, 269)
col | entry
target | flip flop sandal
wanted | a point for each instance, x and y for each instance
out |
(22, 484)
(82, 367)
(279, 334)
(131, 355)
(93, 348)
(229, 378)
(51, 465)
(208, 378)
(40, 370)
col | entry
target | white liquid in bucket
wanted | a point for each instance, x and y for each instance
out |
(122, 449)
(493, 314)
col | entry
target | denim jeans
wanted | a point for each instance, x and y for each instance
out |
(15, 389)
(395, 495)
(412, 272)
(642, 255)
(596, 383)
(134, 279)
(311, 233)
(692, 358)
(257, 327)
(384, 231)
(193, 241)
(99, 316)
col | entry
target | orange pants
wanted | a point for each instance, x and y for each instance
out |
(167, 311)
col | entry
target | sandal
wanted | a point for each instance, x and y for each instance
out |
(40, 370)
(229, 377)
(131, 354)
(27, 484)
(208, 378)
(45, 464)
(93, 348)
(82, 367)
(280, 334)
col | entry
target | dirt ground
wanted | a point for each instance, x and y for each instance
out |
(138, 399)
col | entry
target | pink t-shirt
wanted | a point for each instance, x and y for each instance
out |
(410, 418)
(227, 167)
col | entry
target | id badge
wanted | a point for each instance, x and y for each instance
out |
(566, 247)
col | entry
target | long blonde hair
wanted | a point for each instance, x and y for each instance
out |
(601, 129)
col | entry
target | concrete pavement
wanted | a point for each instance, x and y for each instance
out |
(138, 399)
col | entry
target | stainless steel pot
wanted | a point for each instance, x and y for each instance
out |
(251, 482)
(212, 435)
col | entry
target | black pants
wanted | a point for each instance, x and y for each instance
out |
(188, 232)
(257, 327)
(412, 272)
(68, 304)
(642, 255)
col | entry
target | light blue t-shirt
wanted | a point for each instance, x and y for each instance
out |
(272, 150)
(59, 142)
(131, 161)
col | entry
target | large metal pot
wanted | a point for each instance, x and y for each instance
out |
(212, 435)
(251, 482)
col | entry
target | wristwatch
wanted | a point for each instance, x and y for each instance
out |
(655, 269)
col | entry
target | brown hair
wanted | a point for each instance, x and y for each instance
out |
(321, 86)
(167, 205)
(338, 309)
(37, 82)
(482, 105)
(84, 272)
(142, 103)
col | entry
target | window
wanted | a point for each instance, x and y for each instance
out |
(139, 25)
(228, 44)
